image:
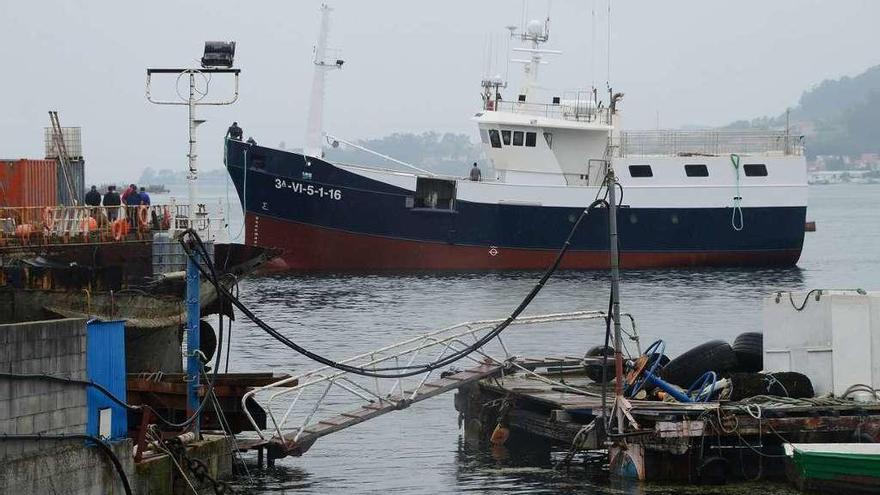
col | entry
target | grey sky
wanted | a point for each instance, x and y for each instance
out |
(410, 65)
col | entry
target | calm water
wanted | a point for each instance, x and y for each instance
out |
(421, 450)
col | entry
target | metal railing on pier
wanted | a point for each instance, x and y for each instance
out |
(708, 143)
(90, 224)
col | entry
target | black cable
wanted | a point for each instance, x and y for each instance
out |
(420, 368)
(98, 387)
(61, 379)
(380, 372)
(78, 436)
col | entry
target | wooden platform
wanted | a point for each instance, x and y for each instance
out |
(673, 441)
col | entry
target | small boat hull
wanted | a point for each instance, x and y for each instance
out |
(835, 468)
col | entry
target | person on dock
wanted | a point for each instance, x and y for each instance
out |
(476, 175)
(131, 189)
(112, 202)
(93, 197)
(145, 198)
(234, 132)
(132, 200)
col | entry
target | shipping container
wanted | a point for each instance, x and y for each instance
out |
(76, 173)
(25, 182)
(72, 140)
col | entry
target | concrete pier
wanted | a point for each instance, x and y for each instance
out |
(53, 409)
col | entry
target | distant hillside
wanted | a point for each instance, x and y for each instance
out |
(839, 117)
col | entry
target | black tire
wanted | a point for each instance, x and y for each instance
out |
(594, 371)
(782, 384)
(715, 355)
(207, 339)
(749, 349)
(790, 384)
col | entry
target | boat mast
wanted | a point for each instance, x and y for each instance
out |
(315, 124)
(536, 33)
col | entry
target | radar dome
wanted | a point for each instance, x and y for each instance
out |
(535, 27)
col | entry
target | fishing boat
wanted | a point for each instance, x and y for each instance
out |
(835, 467)
(689, 198)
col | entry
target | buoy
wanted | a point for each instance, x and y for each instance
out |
(88, 224)
(166, 219)
(48, 218)
(119, 228)
(499, 435)
(143, 218)
(24, 230)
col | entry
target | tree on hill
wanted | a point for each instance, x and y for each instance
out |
(843, 116)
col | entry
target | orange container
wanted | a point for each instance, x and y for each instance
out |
(25, 182)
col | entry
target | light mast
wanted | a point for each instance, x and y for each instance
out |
(315, 124)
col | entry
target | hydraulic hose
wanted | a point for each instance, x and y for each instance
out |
(402, 371)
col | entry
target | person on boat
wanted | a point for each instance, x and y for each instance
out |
(251, 141)
(93, 197)
(145, 198)
(112, 201)
(476, 175)
(234, 132)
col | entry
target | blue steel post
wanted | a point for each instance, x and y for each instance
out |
(193, 366)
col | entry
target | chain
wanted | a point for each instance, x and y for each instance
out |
(198, 468)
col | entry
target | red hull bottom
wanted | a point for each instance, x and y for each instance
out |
(310, 248)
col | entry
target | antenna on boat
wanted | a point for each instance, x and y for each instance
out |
(315, 124)
(217, 59)
(533, 36)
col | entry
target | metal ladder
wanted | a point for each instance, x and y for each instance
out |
(303, 408)
(61, 149)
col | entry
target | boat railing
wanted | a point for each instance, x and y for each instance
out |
(573, 110)
(708, 143)
(91, 224)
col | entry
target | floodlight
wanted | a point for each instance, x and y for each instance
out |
(218, 54)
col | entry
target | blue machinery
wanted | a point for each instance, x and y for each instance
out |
(645, 371)
(193, 364)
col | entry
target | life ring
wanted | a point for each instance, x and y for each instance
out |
(24, 231)
(119, 228)
(166, 219)
(143, 217)
(48, 218)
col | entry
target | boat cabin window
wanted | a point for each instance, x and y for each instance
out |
(434, 194)
(494, 138)
(484, 136)
(755, 170)
(696, 170)
(530, 139)
(640, 171)
(505, 137)
(517, 138)
(548, 136)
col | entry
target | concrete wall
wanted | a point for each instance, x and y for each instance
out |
(56, 347)
(68, 468)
